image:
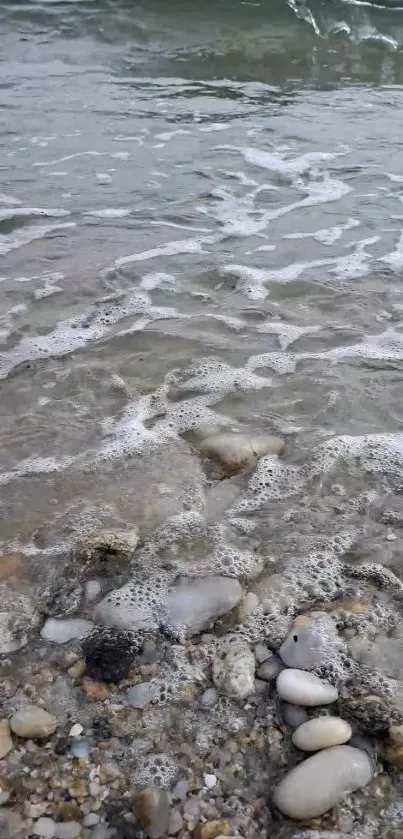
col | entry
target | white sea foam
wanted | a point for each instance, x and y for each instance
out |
(24, 236)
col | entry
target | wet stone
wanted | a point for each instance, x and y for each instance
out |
(317, 784)
(294, 715)
(193, 605)
(44, 828)
(107, 552)
(109, 654)
(209, 698)
(6, 743)
(234, 669)
(67, 830)
(141, 695)
(175, 823)
(301, 688)
(62, 631)
(152, 810)
(269, 670)
(33, 722)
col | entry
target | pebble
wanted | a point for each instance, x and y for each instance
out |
(61, 631)
(302, 688)
(91, 820)
(175, 823)
(76, 730)
(234, 669)
(141, 695)
(323, 780)
(95, 691)
(236, 451)
(294, 715)
(67, 830)
(93, 589)
(262, 653)
(193, 605)
(152, 810)
(209, 698)
(81, 749)
(311, 643)
(209, 780)
(181, 789)
(320, 733)
(269, 670)
(34, 722)
(214, 829)
(6, 743)
(44, 828)
(100, 831)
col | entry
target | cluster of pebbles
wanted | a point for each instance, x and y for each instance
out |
(162, 691)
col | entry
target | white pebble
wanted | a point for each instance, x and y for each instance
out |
(93, 589)
(76, 730)
(320, 733)
(302, 688)
(62, 631)
(67, 830)
(44, 828)
(323, 780)
(210, 781)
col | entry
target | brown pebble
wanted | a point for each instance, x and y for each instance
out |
(211, 830)
(77, 669)
(12, 567)
(152, 811)
(95, 691)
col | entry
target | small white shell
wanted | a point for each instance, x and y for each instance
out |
(302, 688)
(320, 733)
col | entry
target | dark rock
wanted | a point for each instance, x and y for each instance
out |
(60, 599)
(102, 728)
(109, 654)
(152, 810)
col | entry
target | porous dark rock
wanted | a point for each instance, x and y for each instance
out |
(109, 654)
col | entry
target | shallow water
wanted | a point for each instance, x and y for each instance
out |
(200, 209)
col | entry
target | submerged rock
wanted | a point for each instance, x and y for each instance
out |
(6, 743)
(128, 608)
(294, 715)
(193, 605)
(62, 631)
(311, 644)
(142, 694)
(106, 552)
(321, 733)
(323, 780)
(302, 688)
(33, 722)
(110, 654)
(152, 810)
(17, 619)
(234, 452)
(234, 669)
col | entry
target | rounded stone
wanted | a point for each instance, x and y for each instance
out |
(33, 722)
(294, 715)
(269, 670)
(44, 828)
(234, 452)
(67, 830)
(61, 631)
(193, 605)
(152, 811)
(311, 643)
(234, 669)
(321, 733)
(323, 780)
(209, 698)
(142, 694)
(302, 688)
